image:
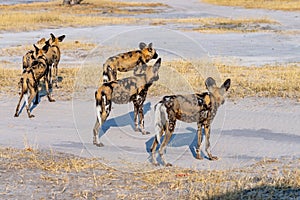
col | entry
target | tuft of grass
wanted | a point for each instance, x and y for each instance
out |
(287, 5)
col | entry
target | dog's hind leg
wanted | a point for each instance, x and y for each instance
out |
(28, 104)
(141, 120)
(55, 72)
(170, 126)
(163, 147)
(21, 96)
(37, 93)
(50, 98)
(136, 110)
(18, 106)
(96, 131)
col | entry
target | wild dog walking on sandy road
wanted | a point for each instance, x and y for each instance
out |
(200, 108)
(127, 61)
(30, 79)
(123, 91)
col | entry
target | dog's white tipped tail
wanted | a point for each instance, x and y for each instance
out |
(160, 120)
(98, 110)
(105, 78)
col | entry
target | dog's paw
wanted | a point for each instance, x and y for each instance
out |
(169, 165)
(213, 158)
(145, 132)
(100, 144)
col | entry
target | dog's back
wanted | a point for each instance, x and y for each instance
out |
(124, 62)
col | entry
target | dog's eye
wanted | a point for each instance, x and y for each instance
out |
(150, 50)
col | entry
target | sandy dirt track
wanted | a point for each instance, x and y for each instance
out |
(243, 132)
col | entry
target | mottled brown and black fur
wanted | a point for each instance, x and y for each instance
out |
(123, 91)
(53, 56)
(200, 108)
(127, 61)
(30, 55)
(30, 79)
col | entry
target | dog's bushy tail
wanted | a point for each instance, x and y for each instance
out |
(105, 73)
(101, 102)
(161, 117)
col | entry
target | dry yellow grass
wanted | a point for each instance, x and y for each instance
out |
(24, 17)
(65, 46)
(70, 176)
(220, 25)
(254, 81)
(288, 5)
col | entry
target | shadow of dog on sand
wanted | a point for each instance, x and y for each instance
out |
(179, 140)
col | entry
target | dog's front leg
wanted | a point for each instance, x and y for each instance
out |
(136, 110)
(50, 98)
(199, 143)
(141, 117)
(207, 143)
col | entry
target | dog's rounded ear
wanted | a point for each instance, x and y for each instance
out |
(52, 36)
(41, 41)
(142, 45)
(36, 48)
(46, 47)
(226, 84)
(150, 45)
(210, 83)
(61, 38)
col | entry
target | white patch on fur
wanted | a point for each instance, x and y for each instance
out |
(98, 110)
(104, 99)
(138, 97)
(105, 78)
(160, 119)
(26, 98)
(107, 109)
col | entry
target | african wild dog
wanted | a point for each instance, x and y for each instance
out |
(200, 108)
(53, 56)
(30, 55)
(124, 62)
(122, 91)
(30, 79)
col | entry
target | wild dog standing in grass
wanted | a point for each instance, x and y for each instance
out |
(127, 61)
(123, 91)
(200, 108)
(28, 60)
(30, 79)
(53, 56)
(30, 56)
